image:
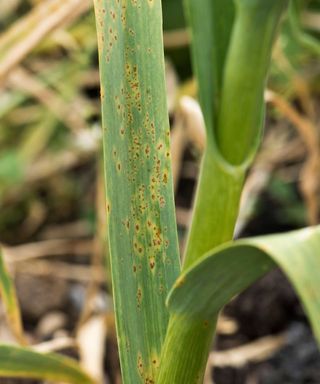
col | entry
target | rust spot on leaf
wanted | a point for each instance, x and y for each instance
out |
(152, 262)
(139, 297)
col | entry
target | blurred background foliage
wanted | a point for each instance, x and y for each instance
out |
(49, 104)
(51, 188)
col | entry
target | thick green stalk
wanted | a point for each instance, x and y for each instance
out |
(211, 26)
(186, 349)
(221, 179)
(140, 208)
(216, 206)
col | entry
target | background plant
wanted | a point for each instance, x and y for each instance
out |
(56, 149)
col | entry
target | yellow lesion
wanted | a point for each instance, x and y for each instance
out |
(113, 15)
(138, 247)
(102, 92)
(180, 282)
(108, 206)
(131, 32)
(140, 364)
(137, 226)
(165, 176)
(123, 14)
(152, 263)
(126, 224)
(139, 301)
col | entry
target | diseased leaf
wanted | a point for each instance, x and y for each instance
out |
(140, 209)
(23, 363)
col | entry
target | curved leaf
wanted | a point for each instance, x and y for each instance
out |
(23, 363)
(202, 290)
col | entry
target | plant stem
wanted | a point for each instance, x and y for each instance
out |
(216, 206)
(186, 352)
(189, 338)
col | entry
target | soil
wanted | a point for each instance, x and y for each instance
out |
(268, 307)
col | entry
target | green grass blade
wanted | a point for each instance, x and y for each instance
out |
(23, 363)
(10, 301)
(202, 291)
(140, 209)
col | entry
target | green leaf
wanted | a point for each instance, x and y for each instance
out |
(241, 116)
(10, 301)
(296, 31)
(202, 290)
(210, 27)
(140, 209)
(229, 269)
(23, 363)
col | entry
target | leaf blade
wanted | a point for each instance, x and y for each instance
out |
(210, 27)
(233, 267)
(24, 363)
(140, 209)
(223, 273)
